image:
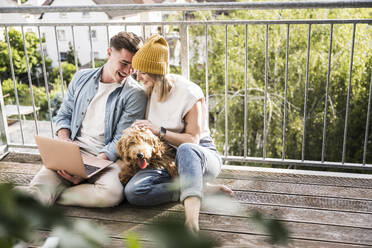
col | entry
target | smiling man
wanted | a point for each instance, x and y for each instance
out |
(99, 104)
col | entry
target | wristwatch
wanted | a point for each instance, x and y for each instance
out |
(162, 133)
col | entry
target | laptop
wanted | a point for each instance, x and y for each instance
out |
(59, 154)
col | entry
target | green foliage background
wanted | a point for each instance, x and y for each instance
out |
(318, 68)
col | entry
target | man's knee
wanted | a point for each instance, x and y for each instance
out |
(115, 199)
(111, 197)
(37, 194)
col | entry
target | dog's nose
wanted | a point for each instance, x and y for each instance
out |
(140, 155)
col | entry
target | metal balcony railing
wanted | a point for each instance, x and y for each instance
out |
(185, 66)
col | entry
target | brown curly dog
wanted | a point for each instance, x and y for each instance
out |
(139, 148)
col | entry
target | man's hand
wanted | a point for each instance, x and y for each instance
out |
(71, 178)
(64, 134)
(103, 156)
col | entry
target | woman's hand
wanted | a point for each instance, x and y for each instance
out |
(147, 124)
(71, 178)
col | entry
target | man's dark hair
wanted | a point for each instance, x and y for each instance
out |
(126, 40)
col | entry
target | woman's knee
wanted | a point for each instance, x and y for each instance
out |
(188, 150)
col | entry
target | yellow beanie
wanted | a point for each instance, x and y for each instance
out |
(153, 56)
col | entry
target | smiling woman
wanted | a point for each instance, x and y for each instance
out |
(176, 113)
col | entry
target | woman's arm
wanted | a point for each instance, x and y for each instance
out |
(193, 126)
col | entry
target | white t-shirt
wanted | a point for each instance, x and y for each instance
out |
(171, 113)
(92, 132)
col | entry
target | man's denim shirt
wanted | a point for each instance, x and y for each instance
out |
(125, 104)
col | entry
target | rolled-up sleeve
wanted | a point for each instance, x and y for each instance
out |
(134, 109)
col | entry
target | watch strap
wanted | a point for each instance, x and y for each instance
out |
(163, 131)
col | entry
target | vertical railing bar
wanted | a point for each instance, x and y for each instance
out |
(245, 90)
(162, 30)
(125, 27)
(59, 63)
(14, 84)
(29, 80)
(144, 32)
(348, 94)
(108, 36)
(206, 70)
(46, 81)
(4, 120)
(265, 102)
(91, 47)
(367, 122)
(326, 98)
(306, 91)
(226, 98)
(184, 38)
(285, 95)
(74, 46)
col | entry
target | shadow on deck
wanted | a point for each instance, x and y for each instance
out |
(321, 209)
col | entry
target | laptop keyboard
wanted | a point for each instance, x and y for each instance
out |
(90, 169)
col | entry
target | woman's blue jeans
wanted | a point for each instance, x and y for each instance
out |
(196, 164)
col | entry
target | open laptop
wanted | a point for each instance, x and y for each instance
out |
(59, 154)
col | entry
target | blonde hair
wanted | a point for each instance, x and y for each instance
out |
(162, 86)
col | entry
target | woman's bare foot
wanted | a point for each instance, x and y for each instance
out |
(192, 208)
(192, 226)
(210, 188)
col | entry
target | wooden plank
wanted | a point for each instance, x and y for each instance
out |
(114, 241)
(15, 167)
(297, 176)
(328, 203)
(26, 158)
(228, 239)
(267, 198)
(297, 189)
(295, 214)
(248, 184)
(231, 224)
(120, 243)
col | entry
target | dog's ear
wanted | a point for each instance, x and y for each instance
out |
(158, 147)
(119, 146)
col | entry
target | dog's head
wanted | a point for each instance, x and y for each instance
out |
(139, 145)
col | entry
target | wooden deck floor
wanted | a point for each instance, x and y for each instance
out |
(320, 209)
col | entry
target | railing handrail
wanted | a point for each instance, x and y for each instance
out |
(191, 6)
(216, 22)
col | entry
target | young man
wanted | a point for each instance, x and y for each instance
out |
(99, 104)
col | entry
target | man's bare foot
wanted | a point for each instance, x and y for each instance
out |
(210, 188)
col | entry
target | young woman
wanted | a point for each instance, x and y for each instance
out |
(176, 112)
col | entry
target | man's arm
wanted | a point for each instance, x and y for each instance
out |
(135, 109)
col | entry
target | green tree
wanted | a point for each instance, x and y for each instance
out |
(19, 58)
(68, 71)
(71, 55)
(318, 67)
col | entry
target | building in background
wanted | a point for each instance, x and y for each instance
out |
(60, 40)
(88, 47)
